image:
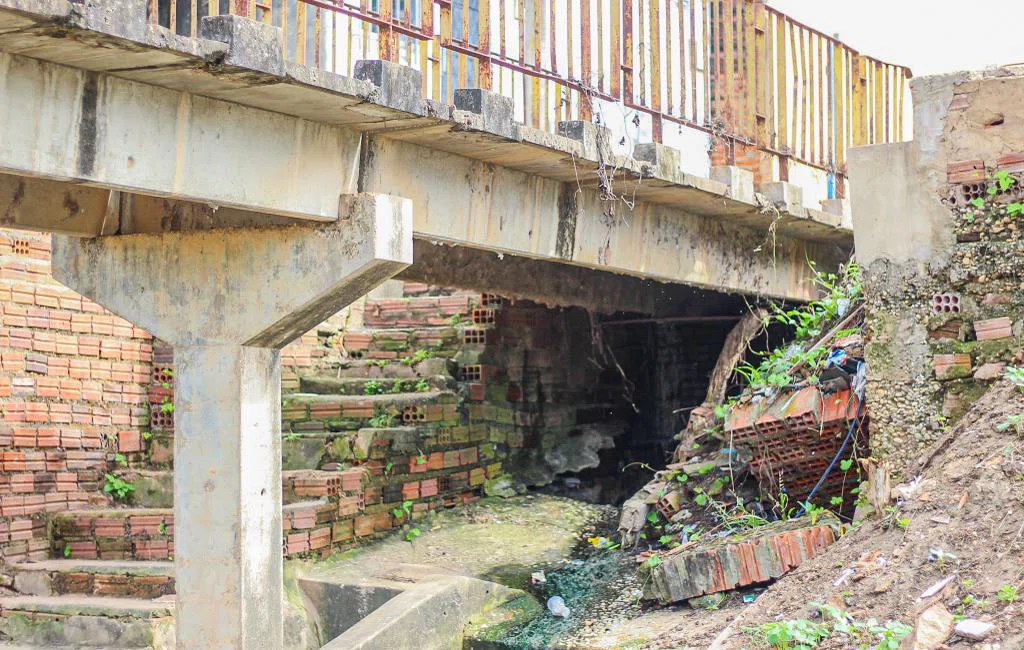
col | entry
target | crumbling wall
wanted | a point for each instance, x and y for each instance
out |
(942, 273)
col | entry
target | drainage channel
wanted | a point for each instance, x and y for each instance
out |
(598, 585)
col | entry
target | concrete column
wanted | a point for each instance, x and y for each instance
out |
(228, 300)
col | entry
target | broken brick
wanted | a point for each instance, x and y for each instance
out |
(993, 328)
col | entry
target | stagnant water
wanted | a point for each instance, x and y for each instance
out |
(598, 586)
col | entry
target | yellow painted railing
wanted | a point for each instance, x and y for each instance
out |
(738, 70)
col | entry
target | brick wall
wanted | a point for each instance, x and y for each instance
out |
(73, 379)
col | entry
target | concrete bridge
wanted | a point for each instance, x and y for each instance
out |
(227, 200)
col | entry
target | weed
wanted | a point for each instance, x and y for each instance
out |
(807, 322)
(422, 386)
(1015, 421)
(381, 420)
(146, 435)
(67, 550)
(653, 561)
(404, 511)
(373, 387)
(417, 357)
(121, 460)
(1007, 593)
(166, 405)
(162, 528)
(118, 488)
(291, 436)
(413, 534)
(1015, 375)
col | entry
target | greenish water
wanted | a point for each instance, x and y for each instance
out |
(587, 585)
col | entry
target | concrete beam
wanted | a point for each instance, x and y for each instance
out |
(119, 134)
(83, 211)
(561, 285)
(465, 202)
(228, 300)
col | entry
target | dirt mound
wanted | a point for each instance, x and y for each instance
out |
(962, 519)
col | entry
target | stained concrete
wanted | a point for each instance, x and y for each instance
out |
(227, 301)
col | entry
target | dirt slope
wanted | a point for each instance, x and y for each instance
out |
(969, 502)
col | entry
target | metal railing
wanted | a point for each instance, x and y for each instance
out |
(735, 69)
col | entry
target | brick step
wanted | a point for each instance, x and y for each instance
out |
(53, 621)
(114, 534)
(394, 342)
(389, 368)
(306, 412)
(359, 386)
(126, 579)
(419, 311)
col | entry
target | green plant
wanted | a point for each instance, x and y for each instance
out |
(121, 460)
(422, 386)
(652, 561)
(381, 420)
(146, 435)
(67, 550)
(796, 634)
(413, 534)
(118, 488)
(291, 436)
(1015, 421)
(161, 528)
(1015, 375)
(166, 405)
(404, 511)
(373, 387)
(840, 291)
(1007, 593)
(380, 363)
(417, 356)
(814, 511)
(455, 319)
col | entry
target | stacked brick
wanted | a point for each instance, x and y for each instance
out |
(754, 557)
(795, 437)
(73, 380)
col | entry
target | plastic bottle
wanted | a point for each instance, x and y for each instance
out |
(556, 605)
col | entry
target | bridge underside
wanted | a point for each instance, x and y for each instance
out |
(227, 201)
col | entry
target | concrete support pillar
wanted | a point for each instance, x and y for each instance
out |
(228, 300)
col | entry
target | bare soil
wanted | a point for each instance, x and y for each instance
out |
(967, 502)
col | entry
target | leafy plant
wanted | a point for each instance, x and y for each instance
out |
(422, 386)
(1015, 375)
(796, 634)
(382, 420)
(653, 561)
(404, 511)
(161, 528)
(291, 436)
(840, 290)
(417, 356)
(373, 387)
(121, 460)
(1007, 593)
(1015, 421)
(67, 550)
(413, 534)
(166, 405)
(118, 488)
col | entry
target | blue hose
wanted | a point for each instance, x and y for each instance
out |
(839, 454)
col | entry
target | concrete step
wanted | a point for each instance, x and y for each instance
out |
(8, 646)
(153, 488)
(326, 385)
(79, 620)
(112, 578)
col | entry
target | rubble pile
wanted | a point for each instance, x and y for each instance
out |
(762, 479)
